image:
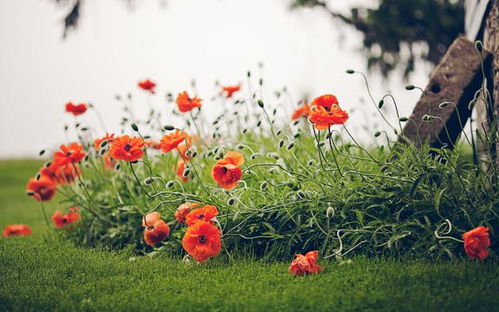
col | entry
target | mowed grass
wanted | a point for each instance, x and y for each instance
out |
(45, 272)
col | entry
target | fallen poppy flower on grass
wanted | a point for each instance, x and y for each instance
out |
(17, 230)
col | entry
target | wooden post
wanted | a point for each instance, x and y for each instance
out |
(446, 99)
(488, 109)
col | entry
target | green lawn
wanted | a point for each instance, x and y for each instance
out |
(44, 272)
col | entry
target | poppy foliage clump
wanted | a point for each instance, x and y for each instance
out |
(245, 170)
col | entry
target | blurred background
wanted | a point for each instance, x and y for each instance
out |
(55, 51)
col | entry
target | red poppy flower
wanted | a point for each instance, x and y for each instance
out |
(185, 103)
(61, 174)
(205, 213)
(202, 241)
(61, 220)
(183, 210)
(230, 90)
(42, 189)
(325, 112)
(17, 230)
(76, 109)
(180, 171)
(477, 242)
(147, 85)
(109, 138)
(305, 264)
(69, 154)
(156, 233)
(301, 111)
(150, 218)
(127, 148)
(172, 140)
(226, 171)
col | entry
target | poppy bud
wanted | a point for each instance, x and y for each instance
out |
(41, 153)
(259, 123)
(254, 156)
(169, 128)
(38, 176)
(443, 105)
(320, 144)
(395, 131)
(403, 119)
(240, 146)
(194, 154)
(478, 46)
(260, 103)
(148, 180)
(377, 134)
(186, 173)
(410, 87)
(350, 71)
(263, 185)
(311, 163)
(117, 167)
(278, 133)
(290, 146)
(274, 155)
(328, 136)
(381, 103)
(245, 130)
(296, 123)
(29, 193)
(427, 117)
(102, 152)
(103, 144)
(48, 164)
(231, 201)
(215, 122)
(260, 82)
(300, 194)
(274, 111)
(330, 212)
(281, 143)
(170, 184)
(297, 135)
(66, 127)
(248, 74)
(134, 127)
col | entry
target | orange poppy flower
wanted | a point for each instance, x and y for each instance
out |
(76, 109)
(147, 85)
(17, 230)
(150, 218)
(156, 233)
(185, 103)
(172, 140)
(226, 171)
(69, 154)
(305, 264)
(202, 241)
(301, 111)
(127, 148)
(42, 189)
(109, 138)
(61, 220)
(325, 112)
(230, 90)
(477, 242)
(61, 174)
(205, 213)
(183, 210)
(180, 171)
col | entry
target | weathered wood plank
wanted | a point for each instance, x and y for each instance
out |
(455, 81)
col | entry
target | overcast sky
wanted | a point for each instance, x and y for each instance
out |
(206, 39)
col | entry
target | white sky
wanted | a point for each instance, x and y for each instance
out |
(205, 39)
